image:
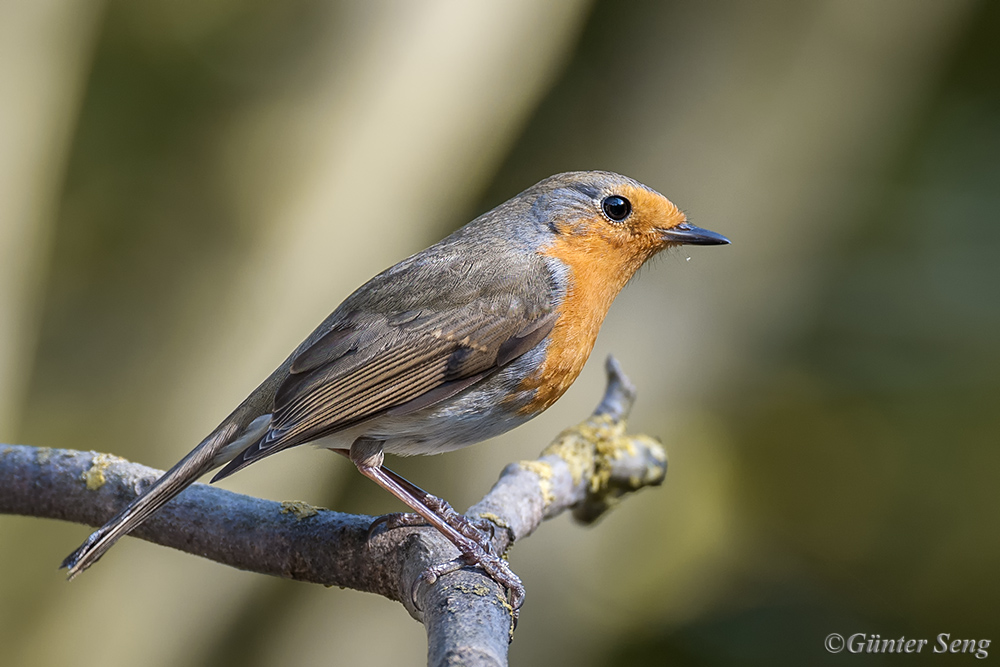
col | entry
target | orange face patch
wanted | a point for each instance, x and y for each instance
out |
(651, 212)
(601, 256)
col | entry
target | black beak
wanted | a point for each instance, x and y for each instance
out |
(690, 235)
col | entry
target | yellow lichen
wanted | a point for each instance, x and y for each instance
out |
(499, 523)
(573, 447)
(494, 519)
(544, 472)
(510, 612)
(299, 509)
(481, 590)
(94, 476)
(590, 447)
(43, 454)
(590, 450)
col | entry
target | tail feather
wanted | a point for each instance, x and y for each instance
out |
(199, 461)
(247, 455)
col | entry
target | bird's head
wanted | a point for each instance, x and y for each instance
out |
(609, 223)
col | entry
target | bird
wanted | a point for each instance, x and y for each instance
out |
(456, 344)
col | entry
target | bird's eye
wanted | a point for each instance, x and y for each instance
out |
(617, 208)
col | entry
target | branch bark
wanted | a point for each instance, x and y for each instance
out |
(586, 469)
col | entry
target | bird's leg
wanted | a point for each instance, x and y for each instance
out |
(479, 530)
(390, 521)
(367, 456)
(472, 552)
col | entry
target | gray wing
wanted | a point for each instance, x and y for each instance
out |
(370, 364)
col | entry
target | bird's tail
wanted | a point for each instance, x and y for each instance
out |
(200, 460)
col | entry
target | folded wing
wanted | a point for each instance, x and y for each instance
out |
(370, 364)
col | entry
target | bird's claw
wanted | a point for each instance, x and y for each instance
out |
(480, 531)
(392, 521)
(493, 565)
(475, 540)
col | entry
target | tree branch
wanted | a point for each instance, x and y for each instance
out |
(588, 468)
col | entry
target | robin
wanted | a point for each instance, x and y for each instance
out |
(458, 343)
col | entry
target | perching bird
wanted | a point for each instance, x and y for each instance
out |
(458, 343)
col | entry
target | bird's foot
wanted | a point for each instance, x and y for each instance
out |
(496, 567)
(480, 553)
(474, 539)
(479, 531)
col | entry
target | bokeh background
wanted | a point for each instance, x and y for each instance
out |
(188, 187)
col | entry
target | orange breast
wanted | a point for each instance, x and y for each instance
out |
(597, 272)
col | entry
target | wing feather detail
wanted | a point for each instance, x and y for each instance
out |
(369, 364)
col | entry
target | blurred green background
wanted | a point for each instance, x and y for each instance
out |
(188, 187)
